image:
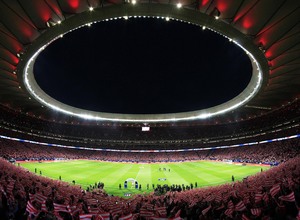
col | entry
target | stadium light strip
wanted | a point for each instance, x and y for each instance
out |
(100, 116)
(151, 151)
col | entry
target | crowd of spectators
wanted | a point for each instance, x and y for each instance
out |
(267, 153)
(99, 134)
(271, 194)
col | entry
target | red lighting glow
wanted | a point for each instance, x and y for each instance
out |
(204, 2)
(268, 54)
(42, 10)
(222, 5)
(262, 41)
(237, 17)
(15, 45)
(27, 32)
(14, 59)
(247, 23)
(45, 15)
(74, 3)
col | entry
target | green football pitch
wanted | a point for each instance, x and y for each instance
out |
(86, 173)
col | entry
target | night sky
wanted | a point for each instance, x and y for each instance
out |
(142, 66)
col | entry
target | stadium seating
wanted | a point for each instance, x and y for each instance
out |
(273, 193)
(280, 123)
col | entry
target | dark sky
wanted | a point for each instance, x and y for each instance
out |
(142, 66)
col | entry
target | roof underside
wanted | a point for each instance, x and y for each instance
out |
(272, 25)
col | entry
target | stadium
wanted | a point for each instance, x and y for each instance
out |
(140, 109)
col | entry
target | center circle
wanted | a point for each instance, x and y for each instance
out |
(142, 66)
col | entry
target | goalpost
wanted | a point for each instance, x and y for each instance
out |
(132, 183)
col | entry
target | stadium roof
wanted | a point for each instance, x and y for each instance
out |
(271, 29)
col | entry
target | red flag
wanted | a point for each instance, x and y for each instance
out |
(127, 217)
(10, 186)
(290, 183)
(177, 213)
(244, 217)
(218, 198)
(268, 182)
(31, 197)
(221, 207)
(40, 198)
(256, 211)
(288, 198)
(204, 211)
(275, 190)
(74, 209)
(265, 197)
(31, 209)
(240, 206)
(149, 206)
(105, 216)
(210, 198)
(258, 197)
(162, 211)
(47, 191)
(85, 216)
(230, 205)
(234, 194)
(60, 208)
(97, 217)
(116, 211)
(91, 201)
(146, 214)
(44, 207)
(228, 212)
(93, 210)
